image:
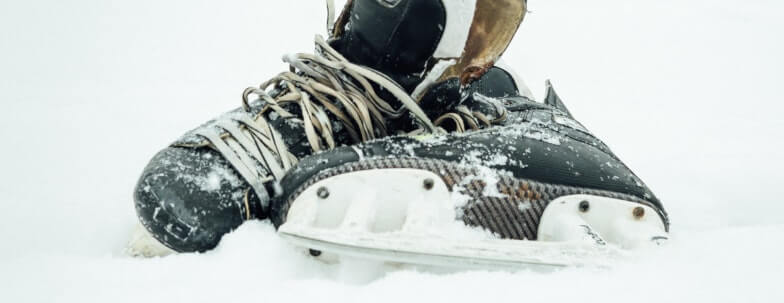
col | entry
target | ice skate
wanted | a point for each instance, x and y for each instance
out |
(365, 82)
(541, 189)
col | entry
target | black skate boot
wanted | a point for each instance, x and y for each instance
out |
(529, 171)
(352, 90)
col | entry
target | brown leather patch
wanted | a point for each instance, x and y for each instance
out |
(495, 24)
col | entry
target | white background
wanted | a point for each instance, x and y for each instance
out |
(687, 92)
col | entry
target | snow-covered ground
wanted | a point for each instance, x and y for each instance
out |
(687, 92)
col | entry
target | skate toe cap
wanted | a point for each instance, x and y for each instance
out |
(189, 197)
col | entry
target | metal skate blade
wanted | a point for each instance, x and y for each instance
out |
(422, 250)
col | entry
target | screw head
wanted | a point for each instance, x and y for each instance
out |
(429, 183)
(585, 206)
(638, 212)
(323, 193)
(314, 252)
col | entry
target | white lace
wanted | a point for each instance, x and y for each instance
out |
(319, 84)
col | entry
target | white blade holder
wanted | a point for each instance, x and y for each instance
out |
(408, 216)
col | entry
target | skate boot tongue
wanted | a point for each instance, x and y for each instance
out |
(420, 43)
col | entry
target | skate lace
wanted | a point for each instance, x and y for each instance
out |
(464, 119)
(318, 84)
(314, 81)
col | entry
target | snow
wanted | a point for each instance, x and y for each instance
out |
(686, 92)
(213, 180)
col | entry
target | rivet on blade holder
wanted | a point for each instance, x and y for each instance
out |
(322, 193)
(638, 212)
(585, 206)
(429, 183)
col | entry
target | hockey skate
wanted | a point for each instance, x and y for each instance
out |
(526, 187)
(383, 59)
